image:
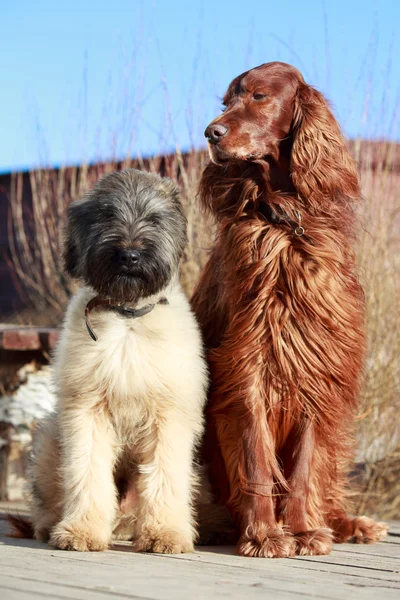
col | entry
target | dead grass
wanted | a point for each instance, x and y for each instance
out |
(379, 259)
(35, 237)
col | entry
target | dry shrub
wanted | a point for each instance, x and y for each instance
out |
(379, 259)
(36, 247)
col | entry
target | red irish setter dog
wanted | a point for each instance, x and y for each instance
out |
(282, 314)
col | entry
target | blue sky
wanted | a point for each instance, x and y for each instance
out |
(93, 80)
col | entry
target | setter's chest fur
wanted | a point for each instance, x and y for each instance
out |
(289, 311)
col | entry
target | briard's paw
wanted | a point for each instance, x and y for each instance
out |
(164, 541)
(314, 543)
(77, 536)
(368, 531)
(264, 541)
(125, 528)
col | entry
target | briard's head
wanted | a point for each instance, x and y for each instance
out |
(126, 237)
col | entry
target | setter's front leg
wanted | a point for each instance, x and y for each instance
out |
(298, 457)
(249, 457)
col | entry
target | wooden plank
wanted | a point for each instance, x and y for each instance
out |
(376, 567)
(350, 557)
(30, 588)
(216, 575)
(392, 539)
(29, 569)
(11, 590)
(394, 527)
(22, 337)
(379, 550)
(154, 578)
(178, 581)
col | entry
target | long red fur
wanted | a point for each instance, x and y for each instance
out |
(283, 321)
(21, 527)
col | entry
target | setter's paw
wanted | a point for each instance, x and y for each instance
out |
(368, 531)
(314, 543)
(164, 541)
(265, 541)
(78, 536)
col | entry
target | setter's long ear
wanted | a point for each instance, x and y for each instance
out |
(321, 165)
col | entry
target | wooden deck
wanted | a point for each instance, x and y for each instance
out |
(30, 570)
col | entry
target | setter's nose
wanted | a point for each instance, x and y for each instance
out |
(215, 133)
(128, 258)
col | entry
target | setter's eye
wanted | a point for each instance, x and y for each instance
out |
(223, 108)
(259, 96)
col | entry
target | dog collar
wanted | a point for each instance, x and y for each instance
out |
(103, 302)
(276, 216)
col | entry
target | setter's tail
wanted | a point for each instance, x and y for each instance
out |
(21, 528)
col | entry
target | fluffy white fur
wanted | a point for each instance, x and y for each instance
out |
(130, 402)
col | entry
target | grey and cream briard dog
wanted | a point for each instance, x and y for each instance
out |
(130, 375)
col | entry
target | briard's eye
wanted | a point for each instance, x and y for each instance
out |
(259, 96)
(154, 219)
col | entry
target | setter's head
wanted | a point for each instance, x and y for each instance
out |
(271, 108)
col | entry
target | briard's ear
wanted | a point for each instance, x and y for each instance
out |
(72, 242)
(321, 165)
(171, 190)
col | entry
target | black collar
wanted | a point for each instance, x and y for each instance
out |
(125, 311)
(276, 216)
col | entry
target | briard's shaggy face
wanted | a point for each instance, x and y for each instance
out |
(126, 237)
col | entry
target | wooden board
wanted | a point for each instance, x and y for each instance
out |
(30, 570)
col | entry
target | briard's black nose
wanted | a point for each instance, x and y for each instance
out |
(128, 258)
(215, 133)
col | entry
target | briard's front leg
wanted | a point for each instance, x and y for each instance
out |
(249, 456)
(165, 523)
(90, 499)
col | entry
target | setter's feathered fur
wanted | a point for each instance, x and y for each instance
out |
(282, 318)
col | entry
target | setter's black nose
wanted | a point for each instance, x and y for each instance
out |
(128, 258)
(215, 133)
